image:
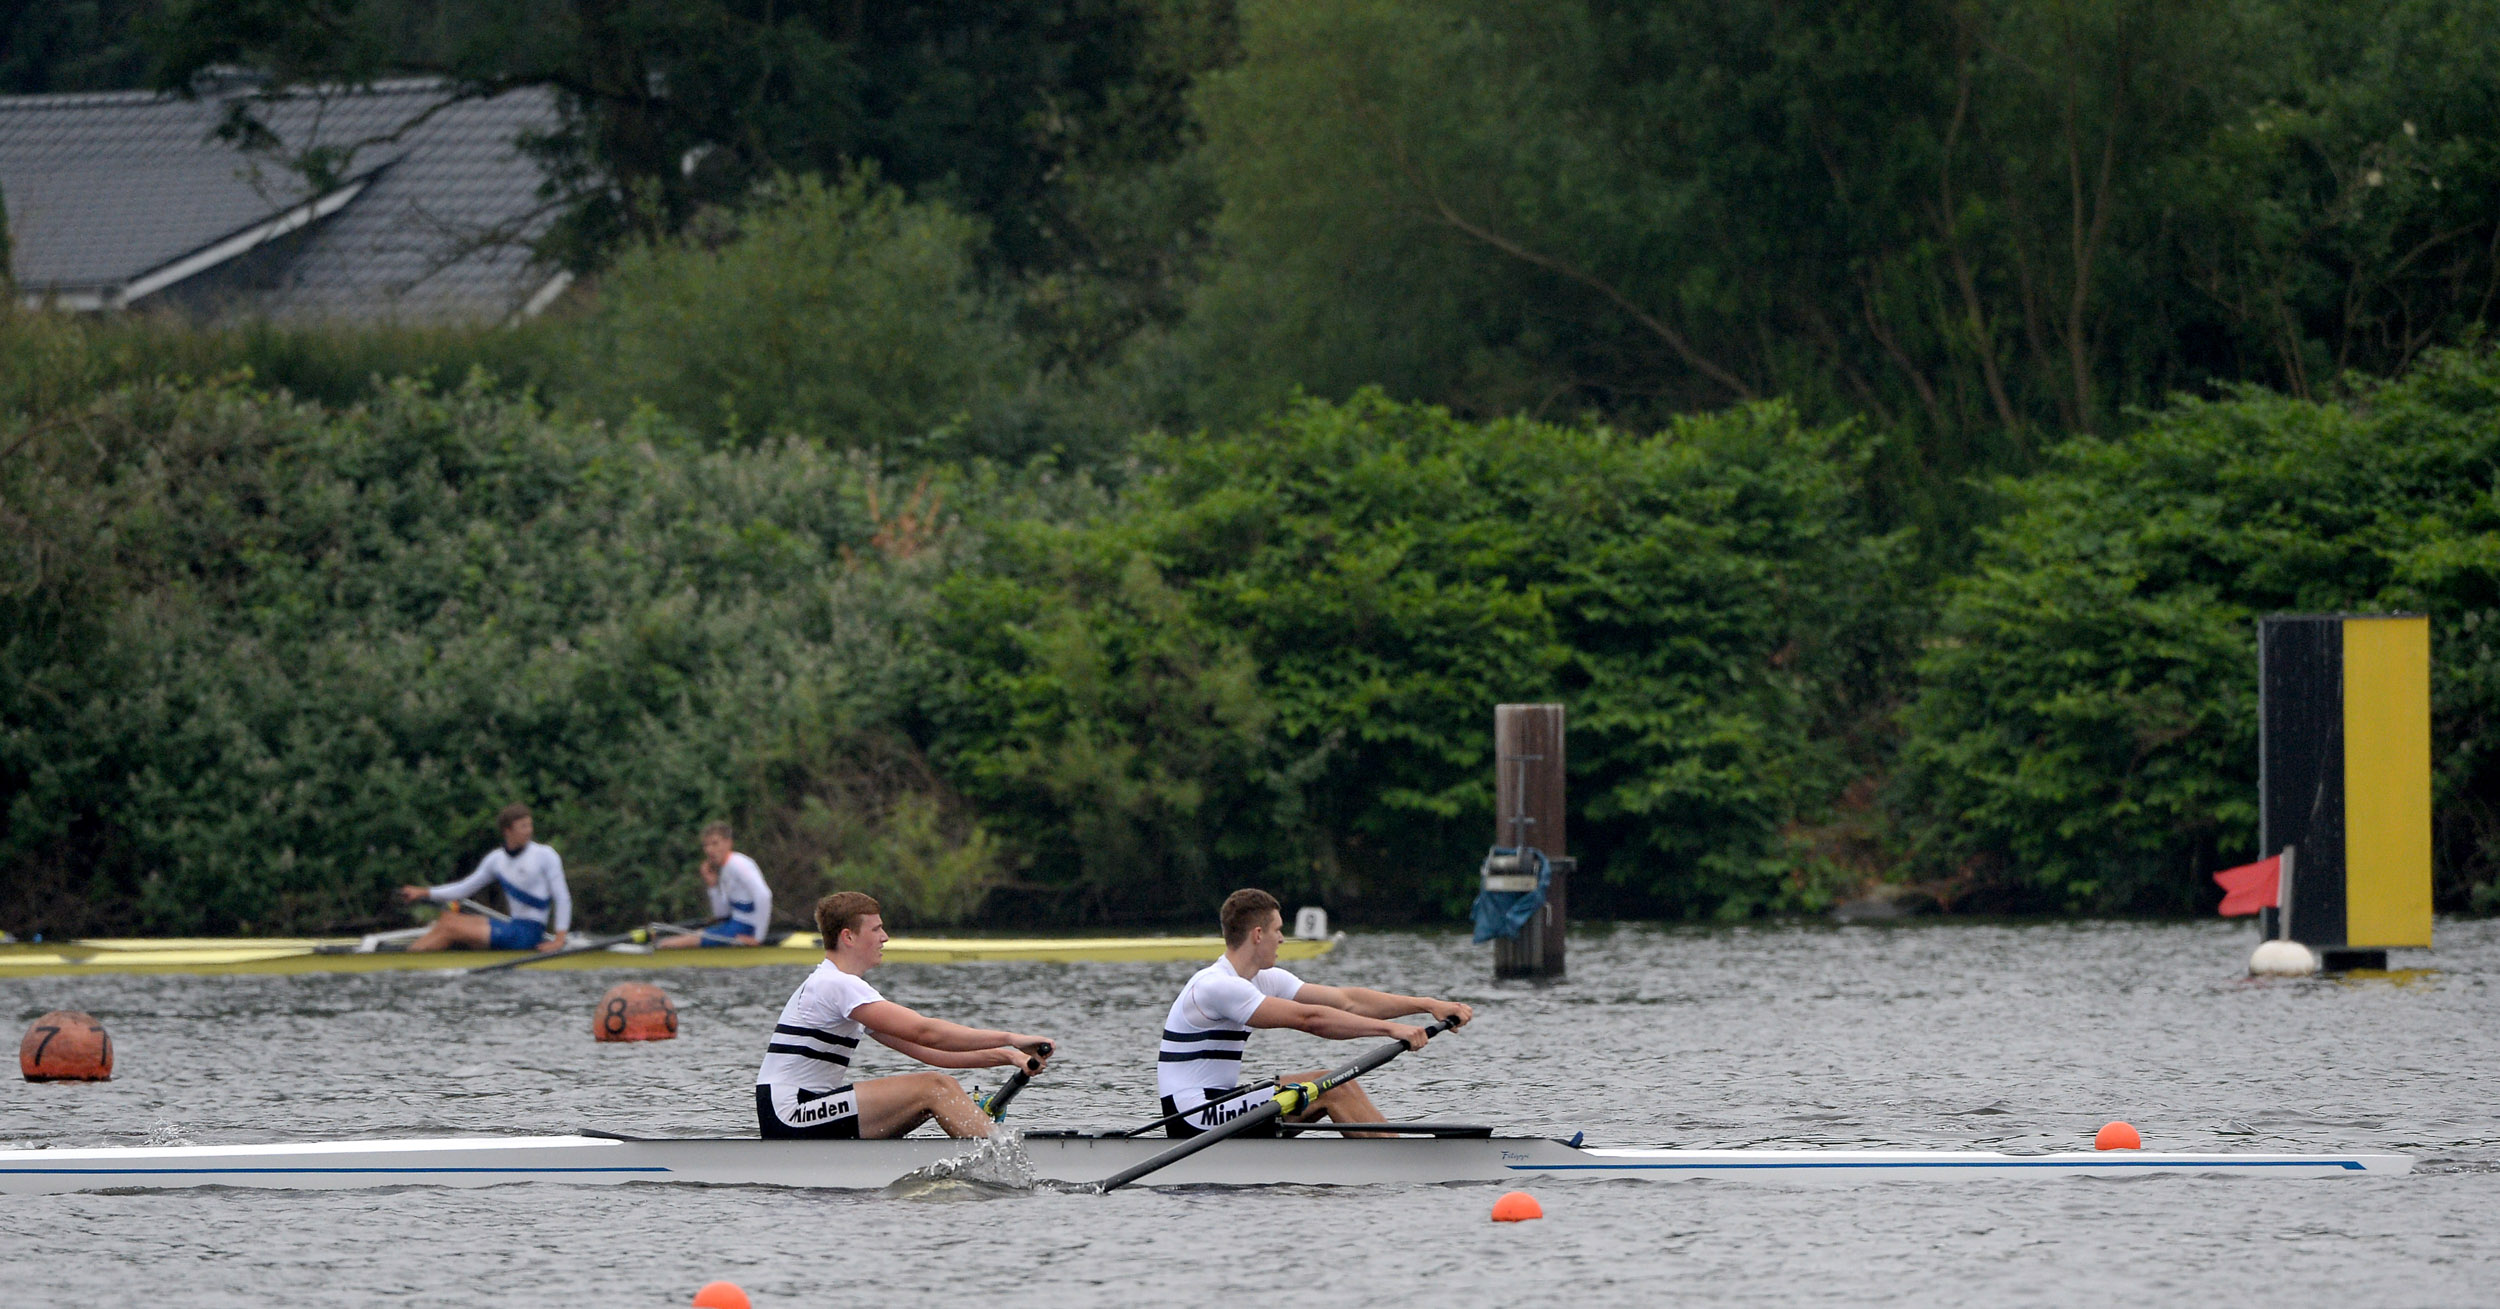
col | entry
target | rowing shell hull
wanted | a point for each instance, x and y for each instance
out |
(210, 955)
(868, 1165)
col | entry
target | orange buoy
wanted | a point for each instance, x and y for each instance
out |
(634, 1011)
(2117, 1136)
(721, 1295)
(1516, 1207)
(66, 1046)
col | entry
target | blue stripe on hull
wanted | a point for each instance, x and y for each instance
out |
(167, 1172)
(2352, 1165)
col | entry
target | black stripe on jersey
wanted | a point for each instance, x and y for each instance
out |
(1184, 1056)
(1170, 1035)
(846, 1042)
(809, 1052)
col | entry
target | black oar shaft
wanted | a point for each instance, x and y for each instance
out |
(1265, 1112)
(1199, 1108)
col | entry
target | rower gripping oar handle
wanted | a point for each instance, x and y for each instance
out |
(996, 1105)
(1273, 1109)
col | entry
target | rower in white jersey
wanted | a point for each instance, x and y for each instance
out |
(1209, 1027)
(533, 887)
(805, 1086)
(742, 903)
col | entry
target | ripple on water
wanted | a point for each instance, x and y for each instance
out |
(2003, 1036)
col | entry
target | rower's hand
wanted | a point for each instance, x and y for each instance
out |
(1411, 1034)
(411, 894)
(554, 942)
(1030, 1063)
(1451, 1012)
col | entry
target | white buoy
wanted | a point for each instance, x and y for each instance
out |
(2282, 959)
(1310, 923)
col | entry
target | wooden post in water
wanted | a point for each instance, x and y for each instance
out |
(1528, 812)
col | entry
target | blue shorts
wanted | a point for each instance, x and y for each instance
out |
(515, 934)
(726, 932)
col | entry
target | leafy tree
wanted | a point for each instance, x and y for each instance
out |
(671, 105)
(51, 46)
(843, 313)
(1276, 660)
(260, 661)
(1980, 224)
(2085, 732)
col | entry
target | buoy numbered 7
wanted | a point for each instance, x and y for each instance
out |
(66, 1046)
(634, 1011)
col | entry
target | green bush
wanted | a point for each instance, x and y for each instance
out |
(263, 661)
(842, 313)
(50, 360)
(2085, 733)
(1277, 659)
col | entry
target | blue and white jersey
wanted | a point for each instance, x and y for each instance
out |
(742, 896)
(813, 1042)
(533, 883)
(1209, 1028)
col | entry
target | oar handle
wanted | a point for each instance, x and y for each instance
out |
(996, 1105)
(1272, 1109)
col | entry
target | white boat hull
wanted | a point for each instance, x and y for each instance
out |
(868, 1165)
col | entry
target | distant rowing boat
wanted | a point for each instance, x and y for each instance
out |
(1453, 1154)
(342, 955)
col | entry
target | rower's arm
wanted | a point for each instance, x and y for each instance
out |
(1320, 1020)
(477, 880)
(1000, 1057)
(886, 1018)
(1380, 1004)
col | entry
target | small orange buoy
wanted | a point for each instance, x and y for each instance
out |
(635, 1011)
(721, 1295)
(1516, 1207)
(66, 1046)
(2117, 1136)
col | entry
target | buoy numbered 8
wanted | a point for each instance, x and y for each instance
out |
(66, 1046)
(634, 1011)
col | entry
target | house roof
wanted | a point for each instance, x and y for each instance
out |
(114, 198)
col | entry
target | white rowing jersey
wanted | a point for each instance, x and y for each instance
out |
(813, 1042)
(742, 897)
(533, 885)
(1209, 1027)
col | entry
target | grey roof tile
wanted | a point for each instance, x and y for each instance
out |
(103, 188)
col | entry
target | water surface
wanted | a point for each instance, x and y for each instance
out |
(1991, 1036)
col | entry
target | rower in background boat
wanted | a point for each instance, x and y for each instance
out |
(1208, 1028)
(804, 1088)
(532, 876)
(742, 902)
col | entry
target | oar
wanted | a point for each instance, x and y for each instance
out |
(1199, 1108)
(583, 946)
(996, 1105)
(1299, 1095)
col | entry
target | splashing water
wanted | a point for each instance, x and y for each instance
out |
(163, 1132)
(998, 1163)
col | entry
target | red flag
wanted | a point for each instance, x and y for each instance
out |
(2250, 887)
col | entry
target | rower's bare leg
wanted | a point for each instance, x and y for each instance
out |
(1349, 1103)
(454, 927)
(892, 1106)
(685, 942)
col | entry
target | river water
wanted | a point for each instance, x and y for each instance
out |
(1945, 1034)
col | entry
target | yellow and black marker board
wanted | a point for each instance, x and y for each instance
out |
(2344, 774)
